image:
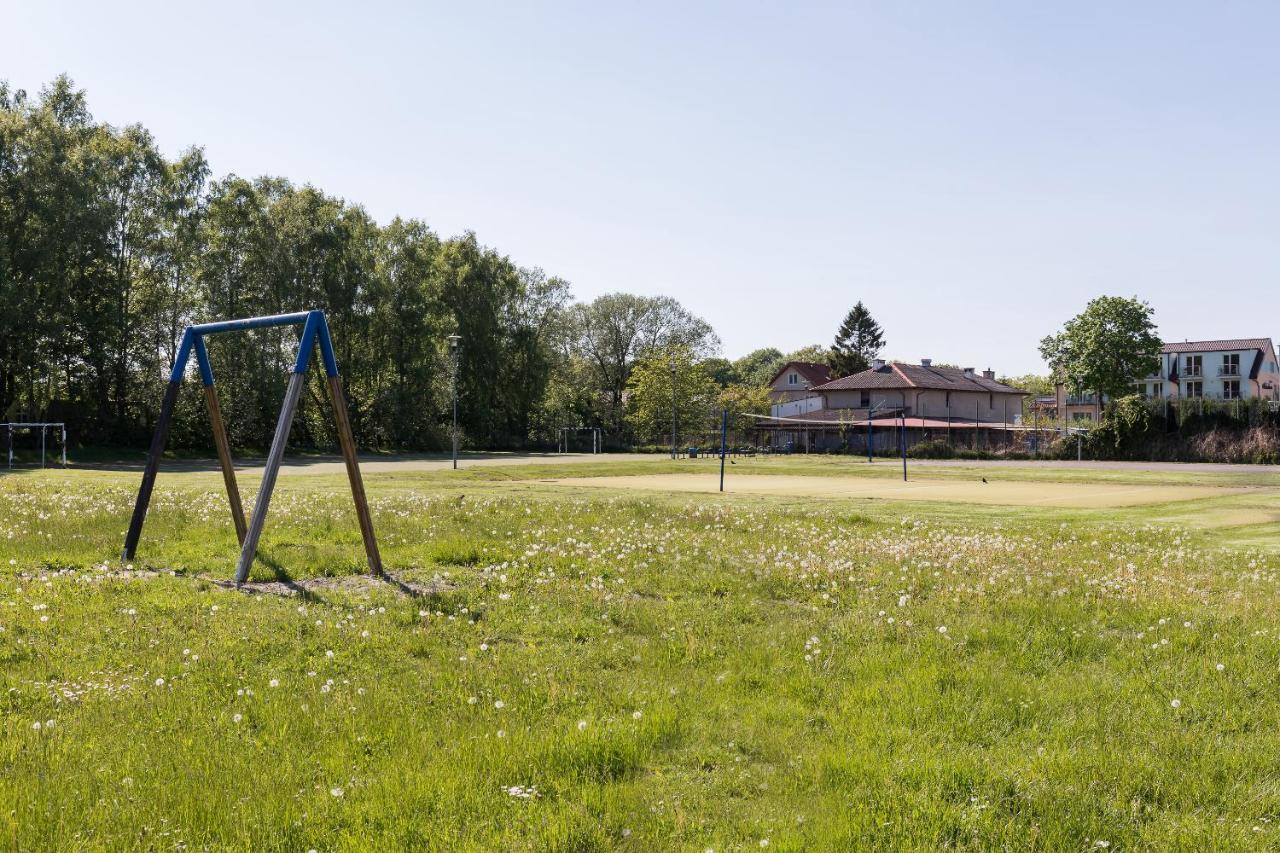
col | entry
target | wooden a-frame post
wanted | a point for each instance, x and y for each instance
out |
(315, 330)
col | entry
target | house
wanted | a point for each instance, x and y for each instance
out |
(1064, 406)
(1235, 369)
(921, 400)
(794, 380)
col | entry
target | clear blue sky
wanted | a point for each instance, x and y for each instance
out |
(975, 172)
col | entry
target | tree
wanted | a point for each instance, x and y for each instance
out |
(614, 331)
(812, 354)
(755, 369)
(666, 378)
(1035, 384)
(1105, 348)
(857, 342)
(742, 401)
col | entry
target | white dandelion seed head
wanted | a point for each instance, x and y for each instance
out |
(1176, 703)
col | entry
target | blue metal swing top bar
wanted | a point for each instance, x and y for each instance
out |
(314, 328)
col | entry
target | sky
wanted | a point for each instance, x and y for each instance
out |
(974, 172)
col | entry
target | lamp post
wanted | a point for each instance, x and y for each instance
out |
(455, 347)
(673, 405)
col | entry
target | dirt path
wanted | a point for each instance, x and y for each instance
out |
(997, 492)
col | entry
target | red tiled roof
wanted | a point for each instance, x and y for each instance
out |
(1263, 344)
(899, 375)
(811, 371)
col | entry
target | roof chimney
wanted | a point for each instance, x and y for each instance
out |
(926, 362)
(968, 371)
(988, 374)
(877, 364)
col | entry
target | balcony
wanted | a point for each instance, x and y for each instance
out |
(1229, 370)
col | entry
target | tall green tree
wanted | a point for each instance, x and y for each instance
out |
(671, 381)
(1106, 347)
(756, 368)
(858, 341)
(616, 330)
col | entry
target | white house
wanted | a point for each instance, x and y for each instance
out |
(1236, 369)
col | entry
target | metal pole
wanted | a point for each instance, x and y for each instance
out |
(455, 409)
(902, 440)
(64, 445)
(10, 447)
(673, 406)
(274, 458)
(870, 458)
(724, 430)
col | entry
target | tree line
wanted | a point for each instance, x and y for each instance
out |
(108, 249)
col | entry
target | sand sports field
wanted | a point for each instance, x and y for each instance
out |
(994, 492)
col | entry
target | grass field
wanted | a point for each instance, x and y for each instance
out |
(825, 663)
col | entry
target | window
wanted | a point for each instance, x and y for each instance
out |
(1193, 365)
(1231, 364)
(793, 379)
(1082, 416)
(1194, 389)
(865, 400)
(1231, 390)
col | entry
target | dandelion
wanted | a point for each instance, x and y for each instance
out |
(499, 704)
(275, 682)
(336, 792)
(36, 725)
(1101, 845)
(1176, 703)
(484, 647)
(159, 682)
(942, 629)
(635, 715)
(1220, 667)
(186, 652)
(764, 842)
(501, 733)
(471, 700)
(235, 718)
(48, 724)
(329, 653)
(582, 725)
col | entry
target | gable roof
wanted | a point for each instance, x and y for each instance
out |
(811, 371)
(1229, 344)
(899, 375)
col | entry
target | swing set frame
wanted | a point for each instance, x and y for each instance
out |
(315, 331)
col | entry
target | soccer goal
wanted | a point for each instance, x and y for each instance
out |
(315, 331)
(580, 440)
(45, 427)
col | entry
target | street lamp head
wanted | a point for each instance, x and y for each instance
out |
(455, 341)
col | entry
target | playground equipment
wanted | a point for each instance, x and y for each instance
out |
(315, 330)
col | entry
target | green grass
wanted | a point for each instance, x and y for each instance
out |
(675, 672)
